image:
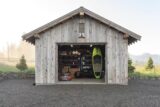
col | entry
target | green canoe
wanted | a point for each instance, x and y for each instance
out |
(97, 62)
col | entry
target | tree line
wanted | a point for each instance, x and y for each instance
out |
(149, 65)
(15, 51)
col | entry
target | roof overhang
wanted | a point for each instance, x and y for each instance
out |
(132, 37)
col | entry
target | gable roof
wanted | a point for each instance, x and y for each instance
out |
(133, 37)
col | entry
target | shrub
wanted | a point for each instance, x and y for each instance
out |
(131, 68)
(149, 64)
(22, 64)
(31, 70)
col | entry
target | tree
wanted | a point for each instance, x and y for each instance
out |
(22, 64)
(150, 64)
(131, 68)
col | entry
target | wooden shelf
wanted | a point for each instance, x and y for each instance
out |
(78, 60)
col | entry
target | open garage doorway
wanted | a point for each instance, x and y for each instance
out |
(81, 63)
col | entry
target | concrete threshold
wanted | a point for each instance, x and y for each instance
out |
(83, 81)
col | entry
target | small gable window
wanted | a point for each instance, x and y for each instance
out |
(81, 28)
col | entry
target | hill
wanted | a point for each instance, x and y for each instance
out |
(142, 59)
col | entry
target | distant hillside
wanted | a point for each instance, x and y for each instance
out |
(142, 59)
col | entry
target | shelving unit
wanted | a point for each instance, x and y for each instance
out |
(82, 61)
(68, 60)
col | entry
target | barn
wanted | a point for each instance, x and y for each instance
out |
(81, 47)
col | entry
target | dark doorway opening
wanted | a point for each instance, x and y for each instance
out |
(81, 62)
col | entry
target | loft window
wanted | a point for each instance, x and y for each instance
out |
(81, 28)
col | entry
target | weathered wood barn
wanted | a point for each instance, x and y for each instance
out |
(64, 49)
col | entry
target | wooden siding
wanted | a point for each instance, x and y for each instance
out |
(95, 32)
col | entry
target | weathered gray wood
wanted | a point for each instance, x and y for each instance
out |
(49, 55)
(106, 64)
(42, 61)
(56, 63)
(116, 54)
(37, 61)
(117, 58)
(93, 27)
(45, 70)
(108, 54)
(125, 66)
(87, 29)
(53, 70)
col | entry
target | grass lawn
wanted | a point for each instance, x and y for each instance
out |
(141, 72)
(8, 68)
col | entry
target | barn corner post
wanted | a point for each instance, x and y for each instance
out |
(37, 59)
(126, 62)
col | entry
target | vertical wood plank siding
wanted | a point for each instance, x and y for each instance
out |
(95, 32)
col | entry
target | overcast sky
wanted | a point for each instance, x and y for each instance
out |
(140, 16)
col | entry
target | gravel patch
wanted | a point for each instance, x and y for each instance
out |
(14, 75)
(21, 93)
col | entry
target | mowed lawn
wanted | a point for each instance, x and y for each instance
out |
(142, 72)
(8, 68)
(11, 68)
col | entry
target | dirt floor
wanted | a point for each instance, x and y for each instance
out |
(21, 93)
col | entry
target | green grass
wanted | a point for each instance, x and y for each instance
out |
(9, 68)
(142, 72)
(139, 71)
(31, 70)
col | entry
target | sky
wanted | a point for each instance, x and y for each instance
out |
(140, 16)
